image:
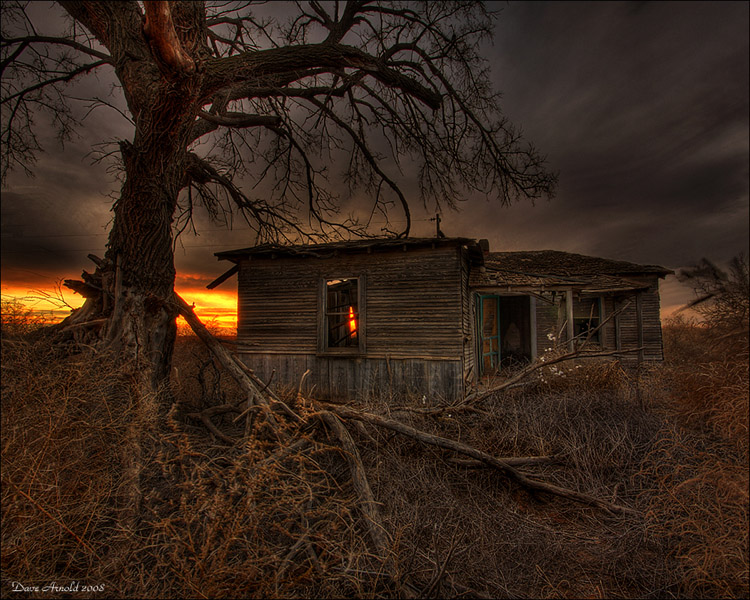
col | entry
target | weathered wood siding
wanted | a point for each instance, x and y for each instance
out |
(412, 303)
(547, 322)
(360, 378)
(651, 336)
(468, 320)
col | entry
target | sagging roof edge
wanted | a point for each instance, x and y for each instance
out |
(366, 245)
(328, 250)
(478, 251)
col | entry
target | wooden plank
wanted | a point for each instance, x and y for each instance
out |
(639, 323)
(569, 329)
(618, 326)
(222, 278)
(532, 327)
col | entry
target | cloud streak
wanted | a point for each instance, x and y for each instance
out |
(641, 107)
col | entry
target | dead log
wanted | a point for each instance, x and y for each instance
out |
(221, 353)
(513, 461)
(378, 534)
(508, 470)
(233, 366)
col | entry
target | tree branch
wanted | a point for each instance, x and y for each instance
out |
(503, 467)
(235, 119)
(265, 65)
(41, 39)
(159, 30)
(63, 78)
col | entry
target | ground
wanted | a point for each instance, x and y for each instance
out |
(214, 520)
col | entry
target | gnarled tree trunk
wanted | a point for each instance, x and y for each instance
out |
(162, 89)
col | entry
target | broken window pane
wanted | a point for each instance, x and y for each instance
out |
(342, 313)
(586, 317)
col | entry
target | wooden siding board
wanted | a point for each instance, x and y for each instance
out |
(357, 378)
(467, 322)
(412, 309)
(413, 301)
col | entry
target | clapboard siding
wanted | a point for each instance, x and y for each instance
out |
(412, 299)
(350, 378)
(547, 323)
(651, 335)
(413, 325)
(467, 321)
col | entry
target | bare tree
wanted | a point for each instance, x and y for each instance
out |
(217, 92)
(722, 297)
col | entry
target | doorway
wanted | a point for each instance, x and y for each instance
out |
(503, 331)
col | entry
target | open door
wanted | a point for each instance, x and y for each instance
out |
(504, 331)
(488, 333)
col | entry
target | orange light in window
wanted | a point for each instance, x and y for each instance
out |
(352, 320)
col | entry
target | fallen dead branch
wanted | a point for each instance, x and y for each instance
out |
(380, 537)
(540, 364)
(237, 370)
(504, 467)
(513, 461)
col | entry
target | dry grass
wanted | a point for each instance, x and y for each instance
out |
(707, 379)
(218, 521)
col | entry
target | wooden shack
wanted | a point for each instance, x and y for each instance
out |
(429, 316)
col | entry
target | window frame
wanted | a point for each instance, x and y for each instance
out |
(597, 301)
(323, 312)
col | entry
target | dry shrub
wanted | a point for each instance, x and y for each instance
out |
(97, 490)
(706, 381)
(62, 479)
(595, 375)
(698, 470)
(223, 527)
(499, 540)
(214, 520)
(698, 510)
(18, 320)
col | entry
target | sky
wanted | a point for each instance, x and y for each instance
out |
(641, 107)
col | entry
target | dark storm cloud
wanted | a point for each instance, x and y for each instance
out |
(641, 107)
(52, 221)
(644, 112)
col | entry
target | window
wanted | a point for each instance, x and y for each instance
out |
(586, 317)
(342, 313)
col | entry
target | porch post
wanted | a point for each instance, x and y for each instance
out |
(532, 327)
(570, 331)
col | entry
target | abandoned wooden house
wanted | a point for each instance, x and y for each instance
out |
(430, 316)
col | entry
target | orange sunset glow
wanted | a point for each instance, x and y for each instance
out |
(216, 308)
